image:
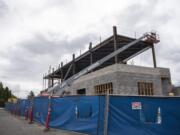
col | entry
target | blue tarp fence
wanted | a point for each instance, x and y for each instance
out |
(131, 115)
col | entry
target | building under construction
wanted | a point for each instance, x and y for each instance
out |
(112, 106)
(104, 68)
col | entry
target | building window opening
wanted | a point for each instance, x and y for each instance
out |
(145, 88)
(103, 88)
(81, 91)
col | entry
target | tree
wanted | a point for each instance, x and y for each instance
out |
(2, 102)
(31, 95)
(10, 95)
(1, 90)
(5, 94)
(1, 85)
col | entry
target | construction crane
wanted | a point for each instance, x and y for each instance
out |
(148, 37)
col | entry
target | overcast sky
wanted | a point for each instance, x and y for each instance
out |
(37, 33)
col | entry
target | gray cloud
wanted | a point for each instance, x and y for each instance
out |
(171, 55)
(31, 58)
(40, 45)
(142, 18)
(3, 8)
(60, 2)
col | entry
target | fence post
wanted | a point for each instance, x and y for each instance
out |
(106, 113)
(48, 114)
(31, 114)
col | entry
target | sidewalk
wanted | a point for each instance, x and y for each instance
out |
(12, 125)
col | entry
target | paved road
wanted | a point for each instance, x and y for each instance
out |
(11, 125)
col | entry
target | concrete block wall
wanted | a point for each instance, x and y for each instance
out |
(90, 83)
(125, 79)
(128, 83)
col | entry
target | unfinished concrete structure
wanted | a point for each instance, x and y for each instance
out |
(123, 79)
(114, 75)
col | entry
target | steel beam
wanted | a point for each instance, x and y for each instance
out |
(115, 42)
(154, 56)
(67, 73)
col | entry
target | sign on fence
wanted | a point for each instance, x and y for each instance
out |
(136, 106)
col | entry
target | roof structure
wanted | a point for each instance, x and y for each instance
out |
(96, 53)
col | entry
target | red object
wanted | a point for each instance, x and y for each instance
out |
(48, 117)
(31, 115)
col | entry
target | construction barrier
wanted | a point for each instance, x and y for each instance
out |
(86, 114)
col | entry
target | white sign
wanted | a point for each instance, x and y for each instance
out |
(136, 106)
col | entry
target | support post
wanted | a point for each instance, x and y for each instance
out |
(91, 56)
(45, 82)
(61, 72)
(74, 65)
(115, 42)
(31, 112)
(106, 113)
(59, 67)
(154, 56)
(52, 82)
(49, 80)
(48, 114)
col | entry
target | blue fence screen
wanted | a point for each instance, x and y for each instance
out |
(127, 114)
(144, 115)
